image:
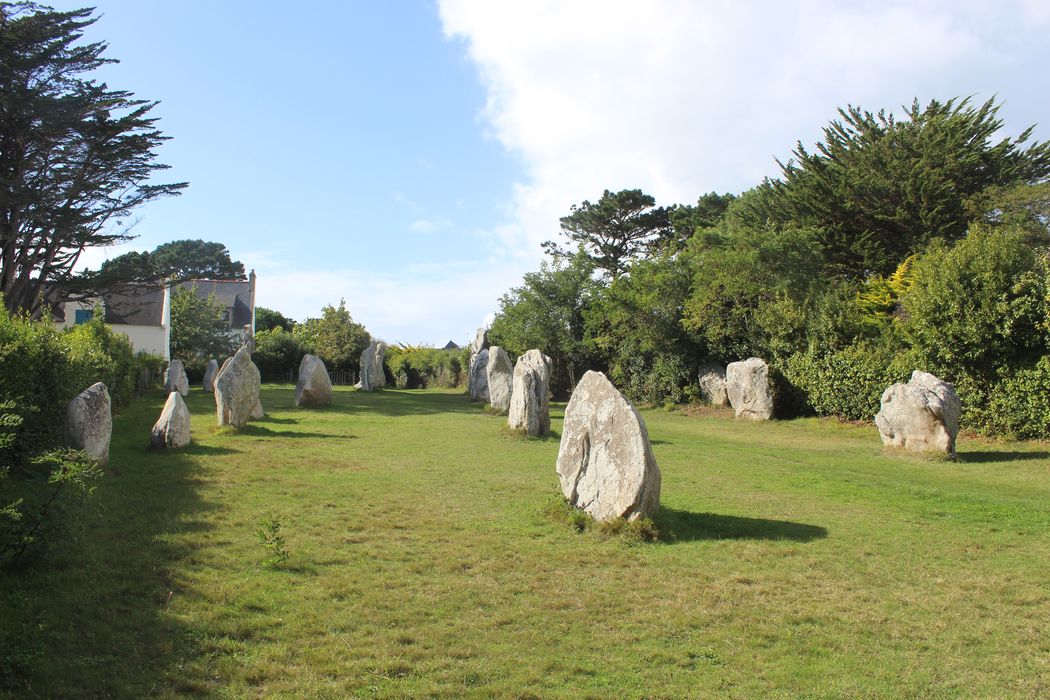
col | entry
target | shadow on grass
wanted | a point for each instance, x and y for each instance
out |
(85, 614)
(403, 402)
(981, 457)
(195, 448)
(256, 430)
(686, 526)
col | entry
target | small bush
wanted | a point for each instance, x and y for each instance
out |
(422, 367)
(1020, 404)
(848, 383)
(272, 541)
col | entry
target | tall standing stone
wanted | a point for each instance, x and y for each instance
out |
(237, 390)
(747, 384)
(605, 462)
(529, 407)
(314, 387)
(89, 422)
(480, 342)
(209, 375)
(712, 379)
(499, 378)
(372, 375)
(172, 429)
(479, 376)
(922, 415)
(175, 378)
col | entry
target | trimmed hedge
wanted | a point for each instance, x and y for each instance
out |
(41, 369)
(848, 383)
(420, 368)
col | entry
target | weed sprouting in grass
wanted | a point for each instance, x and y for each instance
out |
(270, 537)
(627, 531)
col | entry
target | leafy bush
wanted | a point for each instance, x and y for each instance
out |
(423, 367)
(277, 352)
(652, 380)
(1020, 404)
(848, 383)
(41, 369)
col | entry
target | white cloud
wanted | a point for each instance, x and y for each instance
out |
(422, 304)
(679, 98)
(432, 225)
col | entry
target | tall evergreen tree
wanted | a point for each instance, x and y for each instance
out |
(879, 188)
(75, 156)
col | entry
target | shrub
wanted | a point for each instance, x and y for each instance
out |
(848, 383)
(1020, 404)
(413, 367)
(277, 353)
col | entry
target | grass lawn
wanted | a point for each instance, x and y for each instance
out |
(424, 561)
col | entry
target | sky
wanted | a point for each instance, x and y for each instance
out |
(411, 156)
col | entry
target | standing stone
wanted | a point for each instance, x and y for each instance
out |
(314, 387)
(89, 422)
(713, 384)
(209, 375)
(747, 384)
(605, 463)
(372, 375)
(175, 378)
(922, 415)
(529, 409)
(237, 390)
(479, 377)
(172, 429)
(499, 377)
(480, 342)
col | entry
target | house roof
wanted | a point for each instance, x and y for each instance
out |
(451, 346)
(232, 294)
(135, 305)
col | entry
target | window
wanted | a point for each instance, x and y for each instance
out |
(83, 316)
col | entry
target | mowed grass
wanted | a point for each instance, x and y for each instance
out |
(804, 563)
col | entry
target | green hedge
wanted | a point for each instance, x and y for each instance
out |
(1020, 404)
(42, 368)
(848, 383)
(420, 368)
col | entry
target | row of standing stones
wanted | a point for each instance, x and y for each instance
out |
(921, 415)
(605, 463)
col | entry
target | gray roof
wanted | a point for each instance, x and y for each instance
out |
(135, 307)
(231, 294)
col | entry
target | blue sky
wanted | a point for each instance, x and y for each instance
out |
(410, 156)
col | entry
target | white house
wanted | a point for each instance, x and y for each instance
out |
(143, 312)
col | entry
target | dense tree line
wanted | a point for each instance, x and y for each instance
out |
(896, 243)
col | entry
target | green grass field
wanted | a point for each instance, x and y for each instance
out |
(424, 561)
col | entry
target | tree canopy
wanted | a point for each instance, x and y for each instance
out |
(615, 230)
(198, 331)
(880, 188)
(75, 156)
(177, 261)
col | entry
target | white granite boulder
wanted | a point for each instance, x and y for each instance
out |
(922, 415)
(499, 375)
(747, 385)
(314, 387)
(89, 422)
(479, 376)
(605, 463)
(175, 378)
(172, 429)
(237, 390)
(529, 407)
(209, 376)
(712, 379)
(372, 375)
